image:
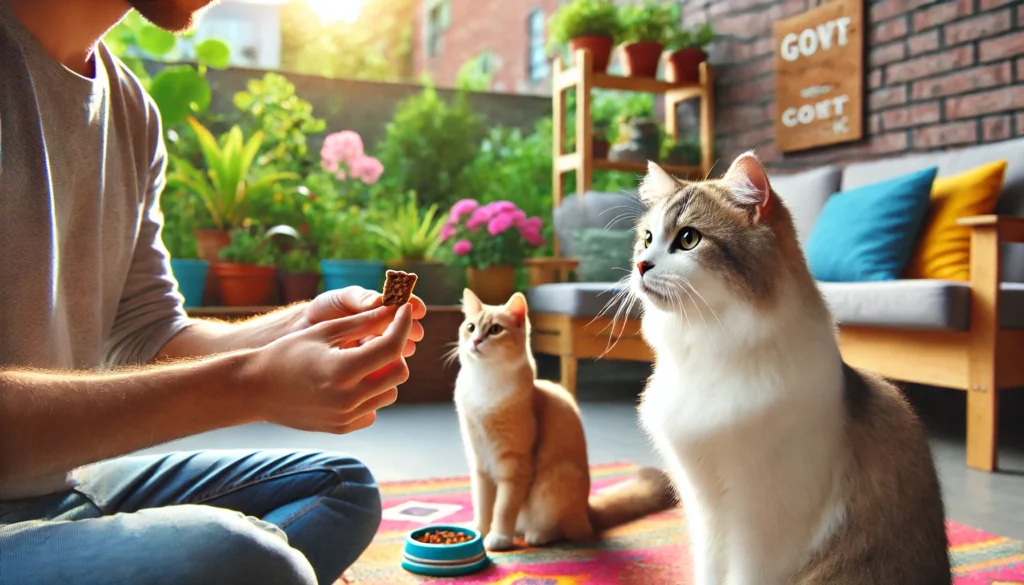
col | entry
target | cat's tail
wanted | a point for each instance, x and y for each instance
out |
(650, 492)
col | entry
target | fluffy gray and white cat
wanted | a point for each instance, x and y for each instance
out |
(792, 466)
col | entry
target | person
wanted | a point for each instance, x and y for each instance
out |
(94, 341)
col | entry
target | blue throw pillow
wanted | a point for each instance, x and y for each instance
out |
(868, 233)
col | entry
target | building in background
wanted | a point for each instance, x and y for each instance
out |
(252, 28)
(505, 39)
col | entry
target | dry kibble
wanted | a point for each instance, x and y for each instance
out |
(443, 537)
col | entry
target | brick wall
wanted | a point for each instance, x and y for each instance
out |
(939, 75)
(496, 26)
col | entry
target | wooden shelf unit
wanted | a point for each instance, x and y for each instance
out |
(585, 80)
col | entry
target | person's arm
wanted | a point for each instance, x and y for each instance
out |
(56, 421)
(318, 379)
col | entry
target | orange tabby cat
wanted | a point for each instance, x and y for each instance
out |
(525, 444)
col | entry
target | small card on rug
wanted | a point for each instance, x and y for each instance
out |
(420, 512)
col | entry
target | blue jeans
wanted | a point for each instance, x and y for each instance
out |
(224, 517)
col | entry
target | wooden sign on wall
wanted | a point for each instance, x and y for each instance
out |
(819, 76)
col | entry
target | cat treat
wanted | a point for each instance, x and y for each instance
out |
(398, 287)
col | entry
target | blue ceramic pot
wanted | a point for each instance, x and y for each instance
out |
(444, 560)
(342, 273)
(191, 277)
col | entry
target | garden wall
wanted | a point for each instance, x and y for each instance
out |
(939, 74)
(367, 107)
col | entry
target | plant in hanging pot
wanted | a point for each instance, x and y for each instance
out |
(587, 24)
(411, 239)
(246, 268)
(645, 27)
(491, 241)
(686, 51)
(299, 271)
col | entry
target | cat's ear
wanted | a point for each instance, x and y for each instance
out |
(471, 304)
(657, 184)
(748, 183)
(516, 306)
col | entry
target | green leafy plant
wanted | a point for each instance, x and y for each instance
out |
(299, 261)
(410, 235)
(344, 234)
(584, 18)
(427, 146)
(228, 184)
(697, 37)
(178, 90)
(179, 208)
(249, 246)
(270, 105)
(651, 21)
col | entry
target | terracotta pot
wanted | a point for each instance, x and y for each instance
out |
(684, 66)
(600, 50)
(209, 244)
(299, 287)
(245, 285)
(494, 285)
(641, 59)
(600, 148)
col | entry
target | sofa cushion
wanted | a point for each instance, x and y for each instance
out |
(579, 299)
(805, 194)
(943, 249)
(952, 162)
(868, 233)
(925, 305)
(605, 255)
(616, 211)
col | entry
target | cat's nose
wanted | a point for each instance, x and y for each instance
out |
(477, 341)
(644, 266)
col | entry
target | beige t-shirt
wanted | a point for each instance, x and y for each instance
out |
(85, 280)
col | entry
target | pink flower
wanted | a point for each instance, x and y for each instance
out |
(366, 168)
(462, 207)
(342, 147)
(447, 232)
(462, 247)
(500, 223)
(480, 216)
(534, 238)
(503, 206)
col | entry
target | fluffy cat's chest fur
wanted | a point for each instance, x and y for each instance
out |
(494, 412)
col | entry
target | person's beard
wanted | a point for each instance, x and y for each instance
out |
(176, 16)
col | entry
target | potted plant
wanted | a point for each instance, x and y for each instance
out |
(491, 241)
(587, 24)
(189, 270)
(411, 240)
(227, 184)
(645, 27)
(299, 274)
(686, 51)
(599, 139)
(639, 140)
(246, 268)
(685, 152)
(350, 254)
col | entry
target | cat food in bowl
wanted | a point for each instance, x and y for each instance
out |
(443, 551)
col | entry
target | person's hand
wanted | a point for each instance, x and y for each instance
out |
(353, 300)
(322, 379)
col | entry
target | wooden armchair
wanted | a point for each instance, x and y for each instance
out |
(982, 360)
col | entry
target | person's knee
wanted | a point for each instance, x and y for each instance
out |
(358, 488)
(240, 549)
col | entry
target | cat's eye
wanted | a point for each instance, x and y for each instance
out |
(648, 239)
(494, 330)
(470, 327)
(687, 239)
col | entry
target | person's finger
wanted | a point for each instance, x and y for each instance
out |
(379, 352)
(394, 374)
(369, 323)
(374, 403)
(335, 304)
(357, 425)
(410, 349)
(419, 308)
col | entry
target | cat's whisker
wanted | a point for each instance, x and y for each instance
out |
(451, 355)
(686, 287)
(706, 304)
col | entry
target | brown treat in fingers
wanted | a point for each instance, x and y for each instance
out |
(398, 287)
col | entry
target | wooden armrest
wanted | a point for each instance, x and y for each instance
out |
(1010, 228)
(550, 270)
(553, 263)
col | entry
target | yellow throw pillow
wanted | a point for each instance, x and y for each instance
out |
(944, 248)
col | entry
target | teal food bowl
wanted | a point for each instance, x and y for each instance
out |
(444, 560)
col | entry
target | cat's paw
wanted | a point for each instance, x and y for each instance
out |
(540, 538)
(498, 542)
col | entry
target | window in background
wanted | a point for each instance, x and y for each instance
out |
(537, 59)
(438, 20)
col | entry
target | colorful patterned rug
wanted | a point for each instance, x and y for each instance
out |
(652, 551)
